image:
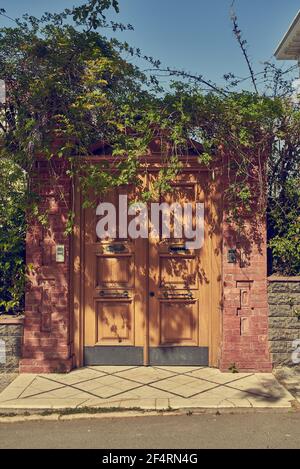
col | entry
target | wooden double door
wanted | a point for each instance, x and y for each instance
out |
(152, 300)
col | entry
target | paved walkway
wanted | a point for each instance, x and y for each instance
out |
(147, 388)
(290, 378)
(6, 379)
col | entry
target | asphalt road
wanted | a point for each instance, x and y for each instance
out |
(197, 431)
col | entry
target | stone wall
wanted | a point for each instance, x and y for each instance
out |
(284, 320)
(11, 336)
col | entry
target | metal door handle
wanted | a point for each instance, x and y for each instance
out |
(178, 295)
(114, 294)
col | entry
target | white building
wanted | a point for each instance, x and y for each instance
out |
(289, 49)
(289, 46)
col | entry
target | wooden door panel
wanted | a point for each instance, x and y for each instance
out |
(178, 323)
(115, 322)
(183, 191)
(175, 274)
(178, 272)
(115, 284)
(115, 271)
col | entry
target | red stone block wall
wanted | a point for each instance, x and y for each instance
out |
(46, 345)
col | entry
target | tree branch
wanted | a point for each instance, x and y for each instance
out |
(242, 43)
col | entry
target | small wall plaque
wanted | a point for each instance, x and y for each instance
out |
(60, 253)
(232, 256)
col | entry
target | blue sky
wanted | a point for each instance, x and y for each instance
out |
(194, 35)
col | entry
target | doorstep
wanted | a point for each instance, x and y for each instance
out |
(146, 388)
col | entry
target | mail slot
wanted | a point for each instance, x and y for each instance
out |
(177, 248)
(115, 248)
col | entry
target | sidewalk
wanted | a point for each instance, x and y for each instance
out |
(6, 379)
(290, 379)
(155, 388)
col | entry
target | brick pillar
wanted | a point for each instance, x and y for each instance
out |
(245, 300)
(46, 346)
(245, 295)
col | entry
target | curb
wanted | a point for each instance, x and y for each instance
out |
(32, 415)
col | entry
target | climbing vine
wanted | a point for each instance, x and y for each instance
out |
(68, 86)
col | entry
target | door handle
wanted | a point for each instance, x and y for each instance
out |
(178, 295)
(151, 293)
(114, 294)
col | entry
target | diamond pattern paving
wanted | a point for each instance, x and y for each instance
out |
(151, 387)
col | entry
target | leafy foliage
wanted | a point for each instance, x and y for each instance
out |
(284, 195)
(12, 235)
(69, 86)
